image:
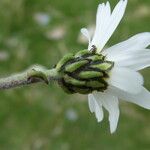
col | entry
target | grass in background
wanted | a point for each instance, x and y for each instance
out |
(44, 117)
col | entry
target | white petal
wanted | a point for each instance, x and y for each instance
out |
(135, 60)
(126, 80)
(106, 23)
(110, 103)
(91, 103)
(103, 14)
(86, 33)
(137, 42)
(95, 107)
(142, 99)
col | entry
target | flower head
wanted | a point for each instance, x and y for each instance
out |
(129, 56)
(108, 74)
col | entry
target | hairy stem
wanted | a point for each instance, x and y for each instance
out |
(32, 75)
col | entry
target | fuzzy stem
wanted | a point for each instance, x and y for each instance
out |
(32, 75)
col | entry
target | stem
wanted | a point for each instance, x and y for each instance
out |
(32, 75)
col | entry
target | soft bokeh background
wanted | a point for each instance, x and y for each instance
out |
(41, 117)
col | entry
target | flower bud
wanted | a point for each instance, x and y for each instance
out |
(84, 72)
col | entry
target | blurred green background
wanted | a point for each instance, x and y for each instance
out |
(40, 117)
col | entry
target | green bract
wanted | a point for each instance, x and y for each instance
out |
(84, 72)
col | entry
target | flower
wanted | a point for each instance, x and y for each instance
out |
(130, 56)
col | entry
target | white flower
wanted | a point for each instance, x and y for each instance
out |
(128, 56)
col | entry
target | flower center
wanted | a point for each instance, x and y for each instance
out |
(84, 72)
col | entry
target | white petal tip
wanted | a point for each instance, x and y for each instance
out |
(83, 30)
(112, 131)
(113, 124)
(86, 33)
(99, 119)
(113, 127)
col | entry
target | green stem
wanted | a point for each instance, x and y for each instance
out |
(32, 75)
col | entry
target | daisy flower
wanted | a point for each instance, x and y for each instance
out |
(128, 57)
